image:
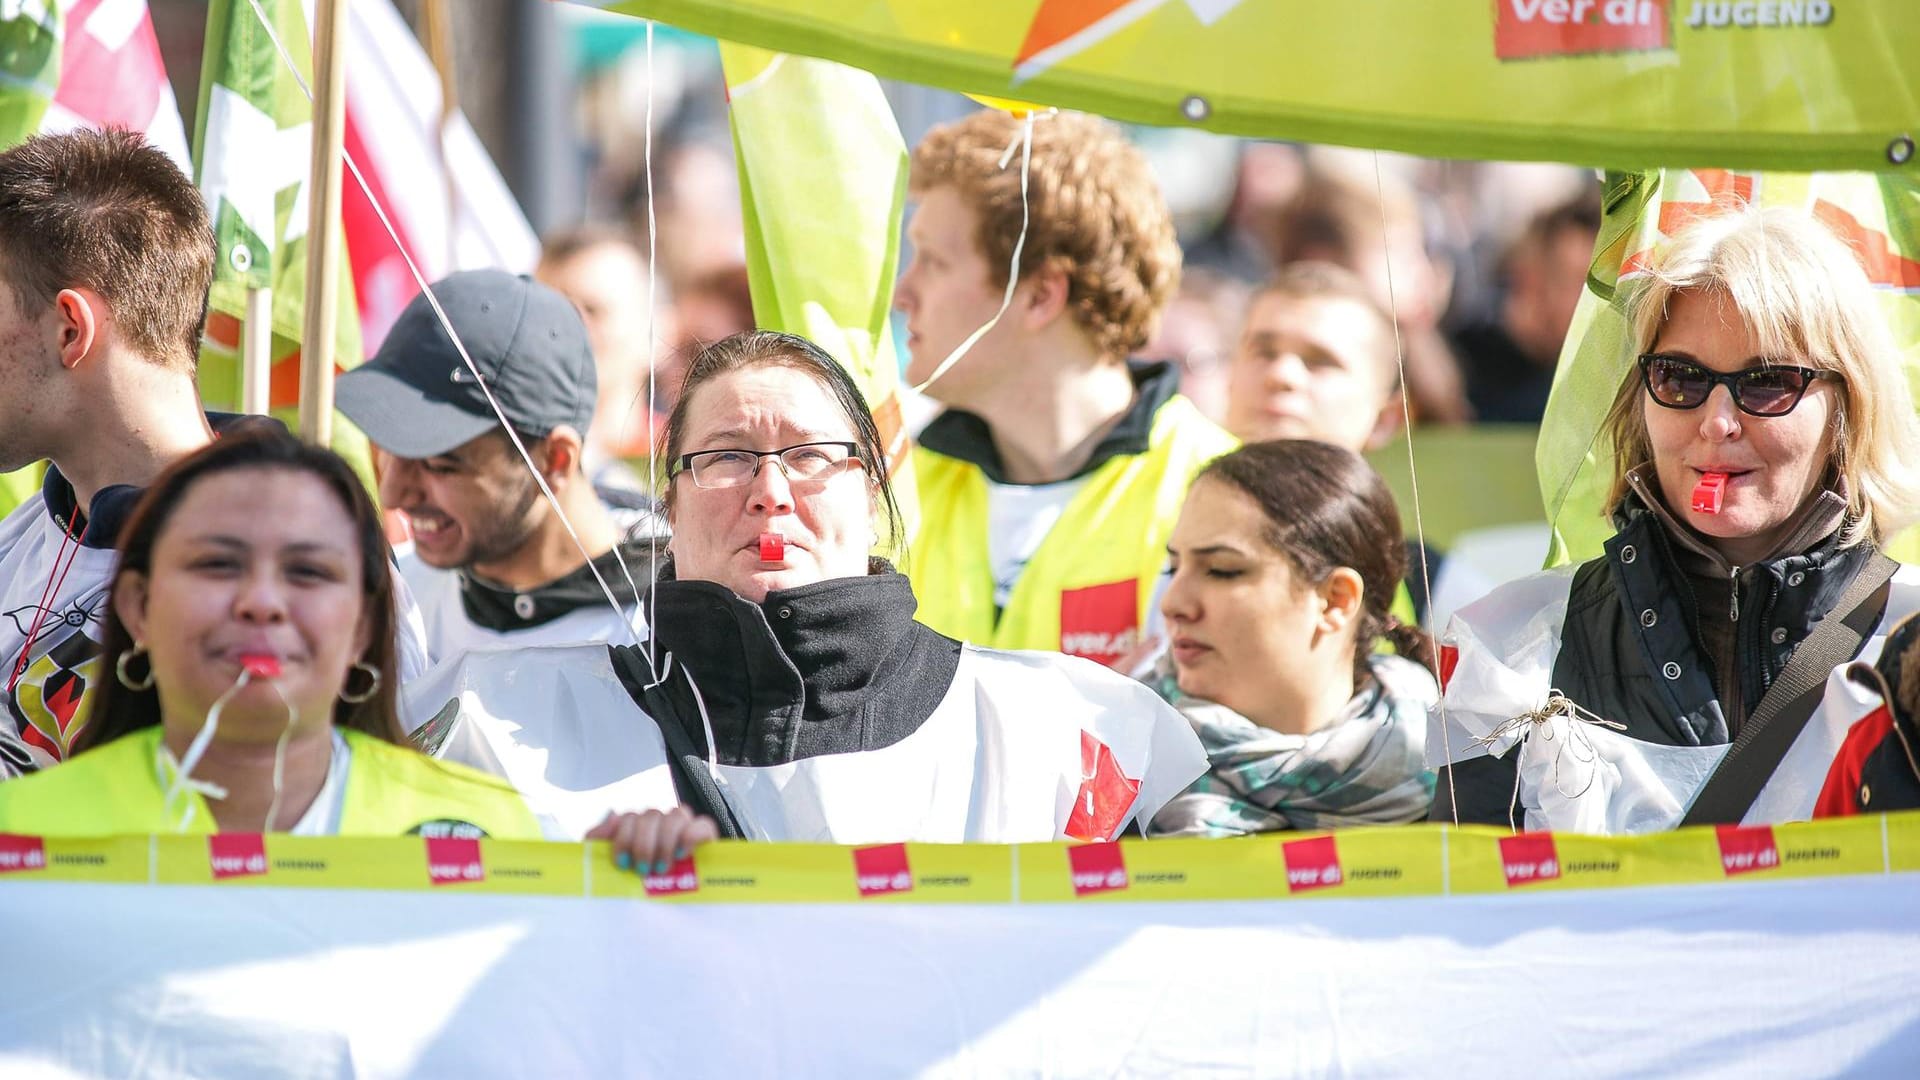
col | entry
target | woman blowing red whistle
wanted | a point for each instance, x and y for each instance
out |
(249, 640)
(1762, 449)
(789, 693)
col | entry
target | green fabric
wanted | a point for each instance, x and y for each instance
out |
(1878, 212)
(29, 68)
(390, 791)
(1465, 79)
(1471, 477)
(251, 152)
(17, 487)
(823, 181)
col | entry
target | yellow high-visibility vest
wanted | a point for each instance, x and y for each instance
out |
(391, 791)
(1087, 589)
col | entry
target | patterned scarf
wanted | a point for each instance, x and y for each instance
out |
(1366, 767)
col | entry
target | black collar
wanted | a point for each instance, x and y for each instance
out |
(832, 667)
(100, 524)
(967, 436)
(504, 610)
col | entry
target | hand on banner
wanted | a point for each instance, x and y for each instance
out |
(653, 840)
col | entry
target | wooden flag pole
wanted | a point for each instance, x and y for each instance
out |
(437, 28)
(323, 193)
(256, 353)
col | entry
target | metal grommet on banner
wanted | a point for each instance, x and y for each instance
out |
(240, 257)
(1900, 150)
(1195, 108)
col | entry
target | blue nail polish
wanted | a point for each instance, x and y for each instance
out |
(622, 860)
(662, 866)
(679, 854)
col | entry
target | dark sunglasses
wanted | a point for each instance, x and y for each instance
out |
(1767, 390)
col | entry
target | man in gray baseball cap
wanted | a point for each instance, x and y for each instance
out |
(492, 563)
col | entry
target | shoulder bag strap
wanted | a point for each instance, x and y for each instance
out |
(1784, 710)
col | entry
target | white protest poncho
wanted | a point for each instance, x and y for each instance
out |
(936, 742)
(1025, 747)
(552, 720)
(1578, 772)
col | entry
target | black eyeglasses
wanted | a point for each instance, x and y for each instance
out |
(732, 468)
(1767, 390)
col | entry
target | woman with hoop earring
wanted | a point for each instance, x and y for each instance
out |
(245, 687)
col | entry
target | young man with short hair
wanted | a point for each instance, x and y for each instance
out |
(106, 255)
(1049, 486)
(493, 563)
(1315, 361)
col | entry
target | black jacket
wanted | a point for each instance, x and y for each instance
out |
(828, 668)
(1631, 650)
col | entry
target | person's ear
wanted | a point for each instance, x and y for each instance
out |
(1341, 597)
(77, 316)
(1043, 295)
(1387, 421)
(130, 603)
(564, 453)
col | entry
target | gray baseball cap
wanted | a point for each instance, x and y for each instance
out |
(417, 398)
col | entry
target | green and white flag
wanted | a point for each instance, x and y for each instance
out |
(29, 65)
(252, 143)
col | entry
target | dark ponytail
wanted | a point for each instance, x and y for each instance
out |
(1410, 641)
(1326, 508)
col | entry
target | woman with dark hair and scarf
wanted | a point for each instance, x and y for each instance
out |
(788, 692)
(1284, 563)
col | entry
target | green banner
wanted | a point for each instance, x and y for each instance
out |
(1779, 84)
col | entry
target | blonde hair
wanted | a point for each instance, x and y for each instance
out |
(1095, 211)
(1803, 296)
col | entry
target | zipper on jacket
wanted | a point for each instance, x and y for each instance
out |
(1733, 598)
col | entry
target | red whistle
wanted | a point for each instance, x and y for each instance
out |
(1707, 494)
(773, 547)
(261, 665)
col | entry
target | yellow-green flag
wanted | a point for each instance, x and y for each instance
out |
(823, 180)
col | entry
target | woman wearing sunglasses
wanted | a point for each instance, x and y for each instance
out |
(788, 692)
(1764, 447)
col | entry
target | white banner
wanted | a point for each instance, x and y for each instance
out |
(1769, 976)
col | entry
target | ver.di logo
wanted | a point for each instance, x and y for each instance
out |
(1745, 849)
(1528, 859)
(1097, 868)
(454, 860)
(22, 853)
(881, 870)
(232, 855)
(1526, 29)
(1312, 864)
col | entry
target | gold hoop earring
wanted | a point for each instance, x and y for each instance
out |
(120, 669)
(373, 684)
